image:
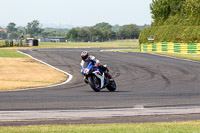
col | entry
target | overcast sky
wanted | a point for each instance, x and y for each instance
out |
(75, 12)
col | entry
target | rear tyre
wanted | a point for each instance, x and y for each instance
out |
(95, 83)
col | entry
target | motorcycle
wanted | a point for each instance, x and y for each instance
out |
(97, 78)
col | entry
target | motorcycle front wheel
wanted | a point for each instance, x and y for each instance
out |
(95, 83)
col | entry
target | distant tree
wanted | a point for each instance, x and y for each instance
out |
(33, 28)
(106, 31)
(96, 34)
(131, 31)
(103, 32)
(73, 34)
(45, 34)
(20, 30)
(83, 35)
(13, 36)
(11, 27)
(103, 25)
(115, 28)
(108, 35)
(59, 31)
(3, 35)
(144, 26)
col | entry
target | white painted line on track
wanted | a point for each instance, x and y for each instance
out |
(173, 57)
(65, 82)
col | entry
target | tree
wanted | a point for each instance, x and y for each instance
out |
(11, 27)
(72, 34)
(95, 34)
(108, 35)
(103, 32)
(3, 35)
(131, 31)
(115, 28)
(33, 28)
(83, 35)
(103, 25)
(13, 36)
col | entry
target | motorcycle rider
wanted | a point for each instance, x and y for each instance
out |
(90, 58)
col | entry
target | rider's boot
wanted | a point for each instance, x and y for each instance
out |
(109, 76)
(106, 71)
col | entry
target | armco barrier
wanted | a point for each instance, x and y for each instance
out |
(184, 48)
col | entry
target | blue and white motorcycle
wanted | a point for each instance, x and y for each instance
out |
(97, 78)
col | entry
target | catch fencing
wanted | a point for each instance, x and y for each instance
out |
(183, 48)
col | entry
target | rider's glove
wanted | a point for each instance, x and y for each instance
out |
(97, 64)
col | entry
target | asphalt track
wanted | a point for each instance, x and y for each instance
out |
(143, 80)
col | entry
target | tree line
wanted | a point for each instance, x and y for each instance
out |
(32, 29)
(100, 32)
(104, 32)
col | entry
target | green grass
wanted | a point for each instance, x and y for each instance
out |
(177, 55)
(86, 44)
(182, 56)
(124, 50)
(11, 53)
(173, 127)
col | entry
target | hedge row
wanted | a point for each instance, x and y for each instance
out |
(174, 33)
(175, 12)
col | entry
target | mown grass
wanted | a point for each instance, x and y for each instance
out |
(123, 50)
(86, 44)
(173, 127)
(11, 53)
(182, 56)
(177, 55)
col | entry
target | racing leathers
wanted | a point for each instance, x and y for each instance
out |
(95, 62)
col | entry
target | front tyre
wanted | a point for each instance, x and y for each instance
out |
(95, 83)
(112, 86)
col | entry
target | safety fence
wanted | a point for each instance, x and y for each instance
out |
(7, 43)
(184, 48)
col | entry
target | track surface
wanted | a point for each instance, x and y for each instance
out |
(142, 79)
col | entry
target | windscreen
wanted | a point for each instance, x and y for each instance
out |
(86, 64)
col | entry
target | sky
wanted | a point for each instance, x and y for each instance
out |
(75, 12)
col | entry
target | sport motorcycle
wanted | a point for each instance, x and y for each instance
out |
(96, 78)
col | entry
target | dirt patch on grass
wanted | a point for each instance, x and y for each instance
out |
(20, 73)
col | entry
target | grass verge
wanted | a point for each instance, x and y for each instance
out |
(19, 71)
(177, 55)
(182, 56)
(173, 127)
(123, 50)
(86, 44)
(10, 53)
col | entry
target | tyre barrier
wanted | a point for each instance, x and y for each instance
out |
(6, 43)
(183, 48)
